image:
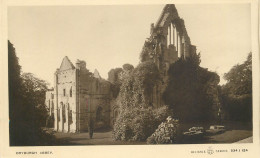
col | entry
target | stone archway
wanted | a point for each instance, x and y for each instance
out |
(115, 114)
(69, 116)
(99, 114)
(62, 115)
(100, 118)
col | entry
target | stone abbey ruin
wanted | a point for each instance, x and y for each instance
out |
(79, 95)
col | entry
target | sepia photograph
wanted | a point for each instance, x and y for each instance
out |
(131, 75)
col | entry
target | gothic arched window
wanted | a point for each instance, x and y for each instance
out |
(116, 114)
(64, 92)
(71, 92)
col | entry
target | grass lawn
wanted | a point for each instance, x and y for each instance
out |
(235, 132)
(230, 136)
(99, 138)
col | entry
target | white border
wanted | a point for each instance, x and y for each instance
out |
(125, 150)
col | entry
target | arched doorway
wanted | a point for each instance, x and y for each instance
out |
(69, 116)
(62, 115)
(115, 115)
(99, 114)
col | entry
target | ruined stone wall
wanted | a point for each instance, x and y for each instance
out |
(95, 98)
(79, 95)
(49, 102)
(170, 37)
(84, 79)
(167, 43)
(92, 95)
(66, 109)
(114, 111)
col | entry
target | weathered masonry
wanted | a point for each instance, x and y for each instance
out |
(168, 40)
(79, 95)
(49, 102)
(167, 43)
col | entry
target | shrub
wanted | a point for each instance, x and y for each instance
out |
(137, 124)
(166, 133)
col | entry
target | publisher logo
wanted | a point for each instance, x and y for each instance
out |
(210, 151)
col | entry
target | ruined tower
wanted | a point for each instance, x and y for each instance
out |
(79, 95)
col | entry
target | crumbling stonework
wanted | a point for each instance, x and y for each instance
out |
(167, 43)
(78, 95)
(168, 40)
(49, 101)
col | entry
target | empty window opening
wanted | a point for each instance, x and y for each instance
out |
(71, 92)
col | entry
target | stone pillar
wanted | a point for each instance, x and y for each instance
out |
(77, 106)
(73, 124)
(56, 125)
(152, 28)
(183, 46)
(55, 118)
(186, 47)
(169, 36)
(172, 34)
(74, 104)
(179, 45)
(175, 38)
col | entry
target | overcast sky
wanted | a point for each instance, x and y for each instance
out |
(107, 37)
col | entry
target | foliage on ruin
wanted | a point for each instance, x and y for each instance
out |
(128, 67)
(137, 119)
(147, 51)
(26, 105)
(192, 91)
(114, 78)
(151, 47)
(136, 88)
(237, 92)
(113, 75)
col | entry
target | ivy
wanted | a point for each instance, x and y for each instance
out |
(137, 119)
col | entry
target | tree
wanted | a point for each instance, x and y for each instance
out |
(237, 92)
(34, 90)
(239, 78)
(15, 97)
(27, 111)
(192, 91)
